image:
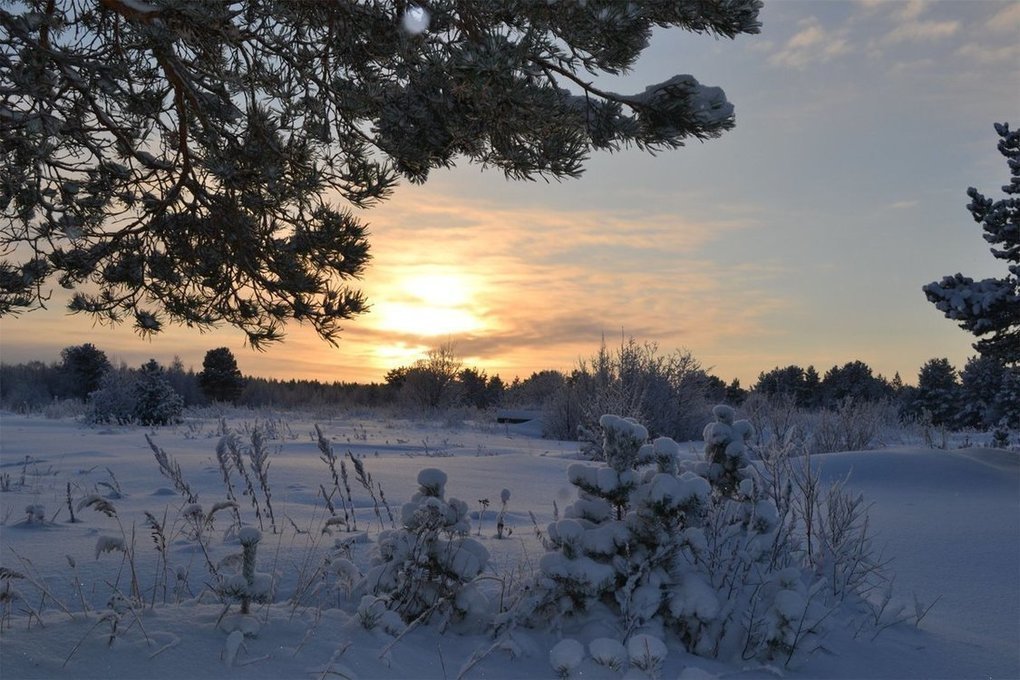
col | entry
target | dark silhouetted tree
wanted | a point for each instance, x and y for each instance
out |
(938, 393)
(220, 377)
(84, 367)
(990, 308)
(804, 386)
(473, 386)
(735, 394)
(174, 161)
(853, 380)
(980, 383)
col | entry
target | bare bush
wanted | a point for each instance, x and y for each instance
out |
(664, 391)
(854, 425)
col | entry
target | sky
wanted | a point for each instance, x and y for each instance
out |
(802, 236)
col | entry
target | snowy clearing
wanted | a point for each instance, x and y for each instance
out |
(948, 520)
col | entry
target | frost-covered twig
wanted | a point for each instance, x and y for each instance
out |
(258, 454)
(329, 457)
(225, 461)
(366, 481)
(39, 583)
(171, 469)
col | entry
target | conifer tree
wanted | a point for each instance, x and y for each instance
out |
(172, 160)
(990, 308)
(938, 392)
(155, 401)
(220, 378)
(85, 366)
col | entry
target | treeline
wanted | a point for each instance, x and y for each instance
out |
(672, 393)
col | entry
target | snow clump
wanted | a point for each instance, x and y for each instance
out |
(566, 656)
(647, 652)
(609, 652)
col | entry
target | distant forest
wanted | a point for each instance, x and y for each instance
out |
(672, 392)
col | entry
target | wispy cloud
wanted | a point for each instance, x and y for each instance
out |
(921, 31)
(812, 43)
(1006, 20)
(549, 283)
(983, 53)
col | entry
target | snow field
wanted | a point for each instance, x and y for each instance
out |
(949, 521)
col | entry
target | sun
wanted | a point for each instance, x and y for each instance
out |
(430, 304)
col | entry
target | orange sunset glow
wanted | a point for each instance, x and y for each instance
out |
(782, 242)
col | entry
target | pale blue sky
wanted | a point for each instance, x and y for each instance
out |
(802, 236)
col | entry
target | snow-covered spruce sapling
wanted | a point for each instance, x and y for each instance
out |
(726, 443)
(484, 502)
(659, 541)
(427, 566)
(35, 513)
(249, 538)
(617, 544)
(248, 586)
(504, 498)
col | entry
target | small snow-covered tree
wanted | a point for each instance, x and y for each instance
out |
(427, 565)
(990, 308)
(694, 547)
(155, 401)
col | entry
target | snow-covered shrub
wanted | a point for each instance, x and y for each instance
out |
(144, 397)
(156, 401)
(372, 614)
(248, 586)
(429, 563)
(114, 401)
(35, 514)
(668, 543)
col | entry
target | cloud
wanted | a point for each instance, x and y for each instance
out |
(986, 54)
(909, 11)
(904, 205)
(812, 43)
(1006, 20)
(547, 284)
(921, 31)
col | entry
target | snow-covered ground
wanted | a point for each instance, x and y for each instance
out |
(948, 520)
